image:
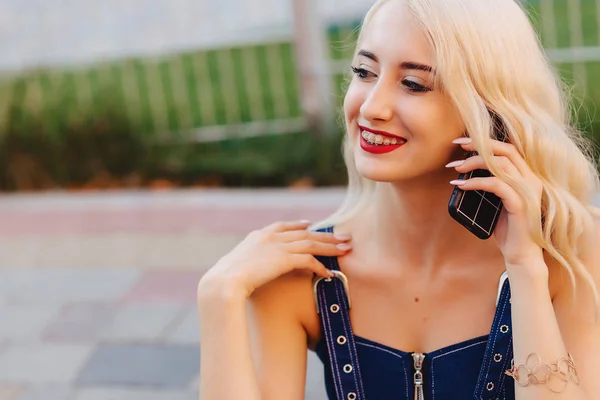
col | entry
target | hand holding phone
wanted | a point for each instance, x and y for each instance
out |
(476, 210)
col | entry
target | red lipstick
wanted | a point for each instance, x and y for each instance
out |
(379, 148)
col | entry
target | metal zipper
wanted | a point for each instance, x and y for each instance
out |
(418, 378)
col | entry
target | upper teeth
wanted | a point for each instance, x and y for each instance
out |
(374, 138)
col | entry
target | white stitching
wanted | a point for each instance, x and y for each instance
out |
(332, 356)
(432, 381)
(445, 354)
(493, 342)
(502, 378)
(394, 354)
(379, 348)
(350, 335)
(353, 357)
(460, 348)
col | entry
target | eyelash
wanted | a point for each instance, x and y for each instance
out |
(414, 87)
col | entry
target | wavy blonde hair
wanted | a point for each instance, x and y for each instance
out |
(490, 62)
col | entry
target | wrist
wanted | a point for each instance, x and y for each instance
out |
(220, 292)
(532, 273)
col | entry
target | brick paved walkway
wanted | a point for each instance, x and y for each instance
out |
(97, 291)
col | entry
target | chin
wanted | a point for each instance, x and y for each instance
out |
(380, 172)
(382, 168)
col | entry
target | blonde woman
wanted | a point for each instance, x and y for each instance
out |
(397, 298)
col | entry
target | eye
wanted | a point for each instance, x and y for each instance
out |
(415, 87)
(362, 73)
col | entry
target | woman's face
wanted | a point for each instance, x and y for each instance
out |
(392, 92)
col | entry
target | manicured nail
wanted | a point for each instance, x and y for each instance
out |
(462, 140)
(458, 182)
(455, 164)
(344, 246)
(305, 222)
(343, 237)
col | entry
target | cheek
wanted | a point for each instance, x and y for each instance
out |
(352, 102)
(430, 120)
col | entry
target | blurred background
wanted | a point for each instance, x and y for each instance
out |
(140, 140)
(116, 94)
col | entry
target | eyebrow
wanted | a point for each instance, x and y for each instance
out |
(404, 65)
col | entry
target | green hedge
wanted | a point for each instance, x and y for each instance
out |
(99, 125)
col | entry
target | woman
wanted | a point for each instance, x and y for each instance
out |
(431, 314)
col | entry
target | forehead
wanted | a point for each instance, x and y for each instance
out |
(392, 34)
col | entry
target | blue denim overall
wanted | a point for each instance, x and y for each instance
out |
(357, 368)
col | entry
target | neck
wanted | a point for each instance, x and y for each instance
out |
(411, 225)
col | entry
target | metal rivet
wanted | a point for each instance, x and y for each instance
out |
(341, 340)
(347, 368)
(497, 357)
(351, 396)
(334, 308)
(490, 386)
(504, 328)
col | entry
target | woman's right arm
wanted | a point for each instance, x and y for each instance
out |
(259, 354)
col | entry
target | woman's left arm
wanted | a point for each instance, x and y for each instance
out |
(546, 330)
(551, 329)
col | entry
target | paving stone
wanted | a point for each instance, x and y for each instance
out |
(65, 285)
(133, 394)
(195, 385)
(171, 367)
(80, 323)
(10, 392)
(47, 392)
(315, 381)
(175, 286)
(43, 363)
(141, 322)
(25, 323)
(187, 331)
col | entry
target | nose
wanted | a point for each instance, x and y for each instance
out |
(379, 104)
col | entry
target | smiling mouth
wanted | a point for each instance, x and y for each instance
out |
(379, 139)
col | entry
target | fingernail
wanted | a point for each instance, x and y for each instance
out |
(458, 182)
(305, 222)
(344, 246)
(343, 237)
(455, 164)
(462, 140)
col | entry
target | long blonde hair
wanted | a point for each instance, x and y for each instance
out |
(490, 62)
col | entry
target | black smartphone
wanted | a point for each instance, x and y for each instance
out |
(476, 210)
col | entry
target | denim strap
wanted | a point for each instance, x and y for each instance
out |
(337, 331)
(492, 382)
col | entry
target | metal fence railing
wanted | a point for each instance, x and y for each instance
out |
(253, 89)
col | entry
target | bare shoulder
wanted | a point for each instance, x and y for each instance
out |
(290, 298)
(279, 331)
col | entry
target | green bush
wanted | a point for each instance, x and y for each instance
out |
(56, 146)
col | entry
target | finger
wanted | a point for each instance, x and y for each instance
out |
(500, 149)
(477, 162)
(285, 226)
(318, 248)
(324, 237)
(307, 261)
(507, 194)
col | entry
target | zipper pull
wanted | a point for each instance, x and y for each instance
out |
(418, 360)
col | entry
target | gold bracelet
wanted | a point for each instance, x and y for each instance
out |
(556, 376)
